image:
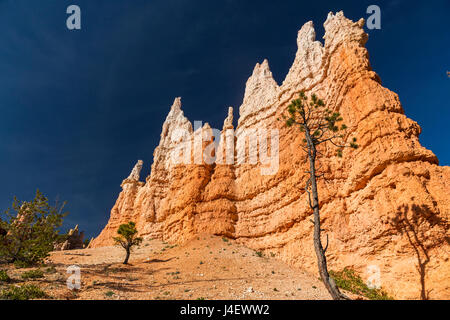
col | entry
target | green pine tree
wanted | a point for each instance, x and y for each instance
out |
(127, 238)
(29, 230)
(319, 126)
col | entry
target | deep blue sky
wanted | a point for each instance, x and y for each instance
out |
(78, 108)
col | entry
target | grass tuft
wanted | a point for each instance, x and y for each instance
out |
(32, 274)
(349, 280)
(109, 294)
(51, 269)
(26, 292)
(4, 276)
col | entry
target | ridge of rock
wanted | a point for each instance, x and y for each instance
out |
(384, 206)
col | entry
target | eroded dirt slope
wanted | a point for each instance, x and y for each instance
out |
(207, 267)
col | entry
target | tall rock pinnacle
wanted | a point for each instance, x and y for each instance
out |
(260, 91)
(136, 172)
(308, 60)
(228, 123)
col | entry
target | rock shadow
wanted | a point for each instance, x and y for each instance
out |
(414, 221)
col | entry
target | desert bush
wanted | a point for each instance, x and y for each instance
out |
(31, 230)
(4, 276)
(109, 294)
(32, 274)
(51, 269)
(349, 280)
(26, 292)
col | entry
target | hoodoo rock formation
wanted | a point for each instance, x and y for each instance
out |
(74, 240)
(385, 206)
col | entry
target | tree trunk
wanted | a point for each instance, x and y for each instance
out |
(320, 251)
(127, 256)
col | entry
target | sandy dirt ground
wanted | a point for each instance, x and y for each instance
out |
(205, 268)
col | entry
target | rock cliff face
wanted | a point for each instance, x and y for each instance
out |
(384, 206)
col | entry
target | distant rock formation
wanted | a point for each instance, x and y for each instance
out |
(384, 207)
(74, 241)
